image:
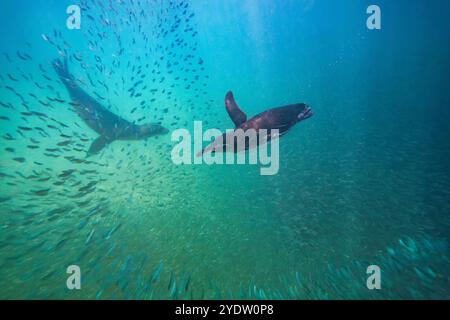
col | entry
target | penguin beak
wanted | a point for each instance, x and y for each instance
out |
(199, 154)
(205, 150)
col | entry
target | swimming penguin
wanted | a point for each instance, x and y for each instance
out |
(280, 118)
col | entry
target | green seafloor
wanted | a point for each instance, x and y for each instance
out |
(365, 181)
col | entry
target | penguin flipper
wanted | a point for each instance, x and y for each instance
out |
(235, 113)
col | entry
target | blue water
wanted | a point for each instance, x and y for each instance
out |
(365, 181)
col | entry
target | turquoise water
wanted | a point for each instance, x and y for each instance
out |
(365, 181)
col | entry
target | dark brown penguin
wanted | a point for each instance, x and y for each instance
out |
(280, 118)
